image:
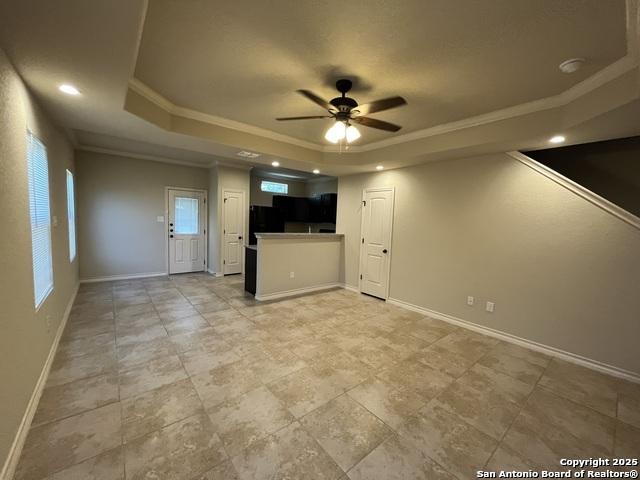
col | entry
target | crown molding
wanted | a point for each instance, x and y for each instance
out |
(598, 79)
(162, 102)
(142, 156)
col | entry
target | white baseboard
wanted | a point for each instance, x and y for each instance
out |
(10, 464)
(351, 288)
(134, 276)
(297, 291)
(219, 274)
(523, 342)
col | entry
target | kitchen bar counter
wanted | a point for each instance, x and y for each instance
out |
(293, 263)
(298, 235)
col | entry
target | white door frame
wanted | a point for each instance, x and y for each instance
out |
(166, 223)
(362, 249)
(221, 228)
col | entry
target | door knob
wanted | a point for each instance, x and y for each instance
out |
(240, 237)
(170, 236)
(171, 224)
(171, 230)
(384, 251)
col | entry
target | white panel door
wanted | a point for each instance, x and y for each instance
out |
(233, 231)
(377, 218)
(186, 231)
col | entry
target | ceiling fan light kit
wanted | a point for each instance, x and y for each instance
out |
(345, 111)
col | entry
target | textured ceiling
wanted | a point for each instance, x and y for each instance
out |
(451, 59)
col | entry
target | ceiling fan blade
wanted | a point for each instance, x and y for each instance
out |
(281, 119)
(379, 105)
(374, 123)
(316, 99)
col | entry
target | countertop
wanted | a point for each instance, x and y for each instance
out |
(298, 235)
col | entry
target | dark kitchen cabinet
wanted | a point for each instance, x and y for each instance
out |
(320, 209)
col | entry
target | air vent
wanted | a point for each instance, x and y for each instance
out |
(245, 154)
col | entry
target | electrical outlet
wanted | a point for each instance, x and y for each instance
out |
(490, 307)
(292, 274)
(470, 301)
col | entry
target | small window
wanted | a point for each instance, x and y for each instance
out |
(274, 187)
(71, 216)
(186, 216)
(39, 210)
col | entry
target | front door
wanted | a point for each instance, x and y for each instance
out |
(233, 230)
(377, 218)
(187, 218)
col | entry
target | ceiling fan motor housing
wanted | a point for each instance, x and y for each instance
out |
(344, 104)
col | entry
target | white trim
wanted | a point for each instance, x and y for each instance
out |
(389, 248)
(297, 291)
(11, 462)
(215, 274)
(134, 276)
(523, 342)
(164, 103)
(205, 220)
(597, 80)
(351, 288)
(579, 190)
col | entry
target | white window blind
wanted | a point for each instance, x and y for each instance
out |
(274, 187)
(71, 215)
(186, 216)
(38, 170)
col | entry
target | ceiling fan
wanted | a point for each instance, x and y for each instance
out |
(345, 111)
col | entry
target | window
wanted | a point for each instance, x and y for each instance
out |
(274, 187)
(71, 216)
(38, 171)
(186, 216)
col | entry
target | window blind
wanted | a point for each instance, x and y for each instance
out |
(38, 171)
(71, 215)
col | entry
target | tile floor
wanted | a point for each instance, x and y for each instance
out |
(189, 378)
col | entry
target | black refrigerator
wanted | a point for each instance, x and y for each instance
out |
(264, 219)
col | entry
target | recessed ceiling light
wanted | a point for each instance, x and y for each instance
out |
(246, 154)
(557, 139)
(379, 167)
(316, 171)
(571, 65)
(69, 89)
(275, 164)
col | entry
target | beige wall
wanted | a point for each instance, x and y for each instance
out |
(119, 200)
(561, 271)
(25, 338)
(265, 199)
(318, 187)
(315, 262)
(611, 169)
(233, 179)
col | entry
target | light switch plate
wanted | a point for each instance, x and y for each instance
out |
(160, 219)
(490, 307)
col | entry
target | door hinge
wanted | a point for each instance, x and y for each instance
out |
(364, 203)
(224, 262)
(362, 239)
(360, 276)
(224, 231)
(205, 200)
(225, 200)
